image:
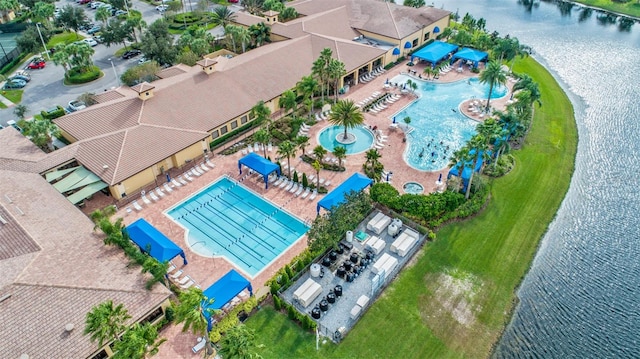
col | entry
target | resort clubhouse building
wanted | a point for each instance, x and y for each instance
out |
(55, 266)
(133, 135)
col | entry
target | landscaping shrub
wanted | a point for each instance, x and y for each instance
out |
(305, 181)
(50, 115)
(169, 313)
(75, 76)
(277, 302)
(295, 176)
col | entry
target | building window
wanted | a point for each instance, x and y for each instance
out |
(101, 355)
(153, 316)
(234, 124)
(251, 116)
(215, 134)
(414, 43)
(426, 36)
(244, 119)
(223, 130)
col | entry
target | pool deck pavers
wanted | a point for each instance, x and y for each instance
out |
(205, 271)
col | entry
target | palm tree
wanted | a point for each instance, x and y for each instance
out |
(44, 11)
(260, 33)
(222, 16)
(407, 121)
(288, 149)
(346, 113)
(192, 312)
(103, 14)
(335, 71)
(253, 6)
(262, 136)
(137, 342)
(306, 87)
(302, 142)
(340, 152)
(479, 145)
(319, 153)
(320, 69)
(459, 160)
(261, 113)
(317, 166)
(20, 110)
(288, 101)
(40, 131)
(232, 32)
(135, 22)
(492, 75)
(372, 166)
(104, 322)
(525, 82)
(238, 343)
(61, 57)
(243, 36)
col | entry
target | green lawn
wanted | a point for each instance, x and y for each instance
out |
(14, 96)
(65, 37)
(631, 7)
(473, 267)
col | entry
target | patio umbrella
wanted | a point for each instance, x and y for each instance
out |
(168, 178)
(440, 178)
(394, 119)
(386, 82)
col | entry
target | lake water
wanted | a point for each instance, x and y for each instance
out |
(581, 298)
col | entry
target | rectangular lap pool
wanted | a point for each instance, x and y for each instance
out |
(227, 219)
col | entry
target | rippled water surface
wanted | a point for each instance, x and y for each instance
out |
(581, 298)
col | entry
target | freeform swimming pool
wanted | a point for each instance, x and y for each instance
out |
(327, 138)
(227, 219)
(439, 129)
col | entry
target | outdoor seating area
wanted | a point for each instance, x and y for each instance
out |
(367, 77)
(340, 286)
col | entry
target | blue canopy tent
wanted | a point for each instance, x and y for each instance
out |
(356, 182)
(152, 241)
(472, 55)
(260, 165)
(224, 290)
(435, 51)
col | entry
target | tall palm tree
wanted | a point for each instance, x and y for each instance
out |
(320, 69)
(479, 145)
(260, 33)
(302, 142)
(231, 32)
(525, 82)
(288, 101)
(222, 16)
(261, 113)
(288, 149)
(243, 36)
(135, 22)
(372, 166)
(192, 312)
(238, 343)
(262, 136)
(459, 160)
(492, 75)
(61, 58)
(137, 342)
(317, 166)
(319, 153)
(346, 113)
(306, 87)
(105, 322)
(340, 152)
(103, 14)
(335, 71)
(40, 131)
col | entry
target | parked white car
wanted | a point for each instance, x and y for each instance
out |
(91, 42)
(162, 8)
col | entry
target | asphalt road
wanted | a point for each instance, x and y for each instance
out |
(46, 88)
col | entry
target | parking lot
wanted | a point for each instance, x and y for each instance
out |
(46, 88)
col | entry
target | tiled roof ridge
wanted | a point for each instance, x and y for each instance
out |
(393, 19)
(120, 153)
(174, 128)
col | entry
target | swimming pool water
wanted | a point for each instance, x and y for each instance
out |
(327, 138)
(439, 129)
(227, 219)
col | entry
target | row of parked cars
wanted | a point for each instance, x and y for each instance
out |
(21, 78)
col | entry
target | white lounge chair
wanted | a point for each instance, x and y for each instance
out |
(167, 188)
(278, 181)
(182, 180)
(204, 167)
(313, 195)
(284, 183)
(176, 275)
(137, 206)
(146, 200)
(327, 183)
(160, 193)
(196, 172)
(299, 191)
(188, 177)
(294, 188)
(306, 193)
(198, 347)
(183, 281)
(289, 186)
(175, 183)
(188, 285)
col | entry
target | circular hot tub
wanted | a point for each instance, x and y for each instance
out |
(413, 188)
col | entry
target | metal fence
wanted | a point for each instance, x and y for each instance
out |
(7, 57)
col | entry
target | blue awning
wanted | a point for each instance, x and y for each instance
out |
(470, 55)
(435, 52)
(436, 30)
(407, 45)
(396, 51)
(356, 183)
(152, 241)
(260, 165)
(227, 287)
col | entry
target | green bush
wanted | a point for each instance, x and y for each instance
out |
(76, 76)
(277, 302)
(305, 181)
(169, 313)
(295, 176)
(222, 139)
(50, 115)
(15, 62)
